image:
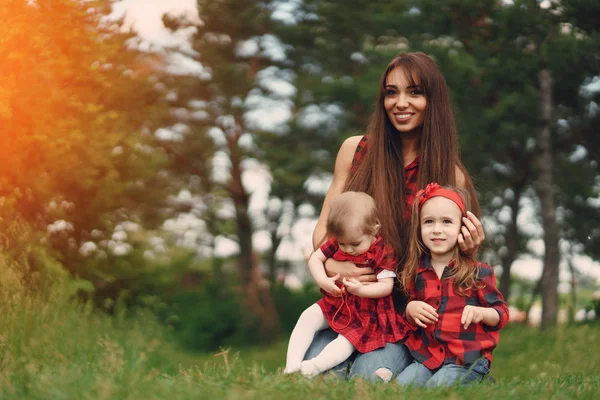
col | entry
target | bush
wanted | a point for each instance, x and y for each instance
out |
(208, 317)
(54, 347)
(291, 303)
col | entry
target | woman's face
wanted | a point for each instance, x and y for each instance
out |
(404, 104)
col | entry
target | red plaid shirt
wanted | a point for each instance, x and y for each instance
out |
(410, 174)
(446, 341)
(380, 255)
(368, 323)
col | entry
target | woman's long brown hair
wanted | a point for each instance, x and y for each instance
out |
(464, 271)
(381, 172)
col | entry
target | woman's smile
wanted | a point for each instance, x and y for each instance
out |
(403, 118)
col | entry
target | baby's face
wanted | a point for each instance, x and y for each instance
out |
(355, 242)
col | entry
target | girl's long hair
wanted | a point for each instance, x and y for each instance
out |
(381, 172)
(464, 270)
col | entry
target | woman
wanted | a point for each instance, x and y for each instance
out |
(411, 140)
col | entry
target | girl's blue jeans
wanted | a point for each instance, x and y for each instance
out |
(416, 374)
(394, 356)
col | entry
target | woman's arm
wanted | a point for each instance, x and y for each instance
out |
(343, 163)
(346, 269)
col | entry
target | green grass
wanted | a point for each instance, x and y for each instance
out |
(50, 349)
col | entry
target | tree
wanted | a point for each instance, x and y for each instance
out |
(229, 43)
(520, 47)
(492, 54)
(74, 106)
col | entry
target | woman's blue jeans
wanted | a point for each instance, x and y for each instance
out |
(394, 357)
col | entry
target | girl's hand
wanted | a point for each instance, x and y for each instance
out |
(352, 285)
(328, 285)
(472, 315)
(421, 313)
(471, 235)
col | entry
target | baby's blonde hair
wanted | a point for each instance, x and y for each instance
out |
(351, 210)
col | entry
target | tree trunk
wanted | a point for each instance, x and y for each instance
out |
(573, 307)
(259, 302)
(512, 243)
(549, 280)
(272, 260)
(244, 228)
(210, 219)
(522, 162)
(534, 293)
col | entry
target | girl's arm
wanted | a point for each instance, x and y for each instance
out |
(494, 311)
(417, 312)
(317, 270)
(376, 290)
(475, 315)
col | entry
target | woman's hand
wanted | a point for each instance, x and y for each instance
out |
(471, 235)
(421, 313)
(346, 269)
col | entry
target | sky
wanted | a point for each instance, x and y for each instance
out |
(145, 17)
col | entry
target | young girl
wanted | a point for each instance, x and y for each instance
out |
(452, 297)
(362, 315)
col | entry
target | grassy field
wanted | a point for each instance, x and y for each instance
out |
(51, 350)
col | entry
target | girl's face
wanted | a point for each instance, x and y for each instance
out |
(404, 104)
(355, 242)
(440, 220)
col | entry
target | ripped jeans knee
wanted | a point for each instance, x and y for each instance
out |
(385, 374)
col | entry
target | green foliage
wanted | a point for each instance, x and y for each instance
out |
(291, 303)
(52, 346)
(21, 246)
(490, 53)
(209, 317)
(133, 279)
(67, 353)
(526, 365)
(520, 293)
(76, 103)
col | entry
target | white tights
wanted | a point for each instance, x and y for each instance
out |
(310, 322)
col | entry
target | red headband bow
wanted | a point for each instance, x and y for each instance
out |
(434, 190)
